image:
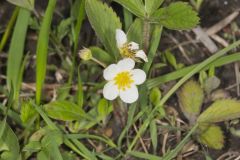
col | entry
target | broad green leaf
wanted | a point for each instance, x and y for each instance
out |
(134, 6)
(128, 19)
(221, 110)
(52, 136)
(152, 5)
(10, 141)
(51, 143)
(42, 155)
(212, 136)
(32, 146)
(28, 4)
(135, 32)
(27, 112)
(178, 15)
(37, 135)
(64, 110)
(105, 22)
(155, 95)
(101, 55)
(191, 98)
(93, 113)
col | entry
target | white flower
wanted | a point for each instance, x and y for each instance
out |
(122, 80)
(131, 49)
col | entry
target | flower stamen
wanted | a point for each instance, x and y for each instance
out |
(123, 80)
(127, 52)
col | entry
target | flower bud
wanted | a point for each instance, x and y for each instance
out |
(85, 54)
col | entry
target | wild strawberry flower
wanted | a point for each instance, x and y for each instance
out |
(129, 50)
(122, 80)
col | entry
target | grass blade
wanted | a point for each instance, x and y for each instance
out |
(16, 50)
(9, 28)
(144, 155)
(154, 82)
(42, 49)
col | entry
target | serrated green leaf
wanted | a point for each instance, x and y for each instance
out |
(10, 141)
(64, 110)
(105, 22)
(64, 28)
(212, 136)
(28, 4)
(135, 32)
(27, 112)
(134, 6)
(152, 5)
(191, 98)
(178, 15)
(221, 110)
(51, 143)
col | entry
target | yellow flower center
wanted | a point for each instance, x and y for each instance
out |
(125, 51)
(123, 80)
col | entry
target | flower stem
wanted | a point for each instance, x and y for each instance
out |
(146, 33)
(99, 62)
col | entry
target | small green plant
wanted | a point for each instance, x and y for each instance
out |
(191, 99)
(107, 98)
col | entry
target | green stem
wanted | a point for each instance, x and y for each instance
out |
(77, 29)
(146, 33)
(9, 28)
(99, 62)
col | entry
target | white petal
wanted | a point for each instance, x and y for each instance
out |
(133, 46)
(110, 72)
(141, 54)
(110, 91)
(121, 38)
(139, 76)
(129, 95)
(126, 64)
